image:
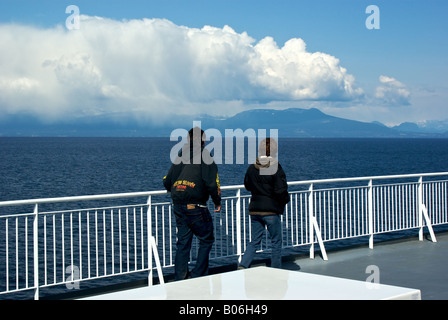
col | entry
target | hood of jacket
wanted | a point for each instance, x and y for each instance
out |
(264, 162)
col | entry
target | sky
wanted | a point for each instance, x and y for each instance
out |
(153, 60)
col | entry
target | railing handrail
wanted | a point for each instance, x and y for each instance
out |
(368, 178)
(233, 187)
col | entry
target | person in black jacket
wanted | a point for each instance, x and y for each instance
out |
(191, 181)
(267, 183)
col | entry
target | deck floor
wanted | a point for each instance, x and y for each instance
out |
(405, 263)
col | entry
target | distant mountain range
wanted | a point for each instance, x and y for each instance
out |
(294, 122)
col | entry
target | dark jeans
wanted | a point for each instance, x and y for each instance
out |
(258, 224)
(197, 222)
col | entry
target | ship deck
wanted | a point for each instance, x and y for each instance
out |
(404, 263)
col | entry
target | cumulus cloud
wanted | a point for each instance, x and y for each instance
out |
(293, 73)
(154, 67)
(392, 92)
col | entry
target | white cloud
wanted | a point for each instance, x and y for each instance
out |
(392, 92)
(155, 67)
(295, 74)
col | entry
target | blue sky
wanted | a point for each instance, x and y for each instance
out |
(395, 74)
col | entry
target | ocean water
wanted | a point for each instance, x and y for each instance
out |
(33, 168)
(59, 167)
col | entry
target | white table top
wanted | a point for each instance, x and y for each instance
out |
(262, 283)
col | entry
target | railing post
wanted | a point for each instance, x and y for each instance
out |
(420, 211)
(370, 208)
(238, 225)
(423, 213)
(314, 228)
(310, 219)
(153, 245)
(36, 251)
(149, 235)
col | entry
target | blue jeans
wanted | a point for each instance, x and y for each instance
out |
(258, 225)
(198, 222)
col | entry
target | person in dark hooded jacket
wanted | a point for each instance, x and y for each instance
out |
(267, 184)
(192, 179)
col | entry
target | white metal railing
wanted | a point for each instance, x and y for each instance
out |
(50, 246)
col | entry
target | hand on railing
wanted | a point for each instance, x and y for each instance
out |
(217, 208)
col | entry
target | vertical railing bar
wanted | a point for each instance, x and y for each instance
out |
(120, 241)
(7, 253)
(221, 233)
(301, 220)
(337, 214)
(80, 245)
(399, 205)
(104, 242)
(45, 250)
(287, 224)
(310, 219)
(112, 240)
(232, 225)
(227, 228)
(36, 251)
(383, 209)
(360, 195)
(407, 206)
(163, 236)
(54, 249)
(156, 229)
(292, 219)
(297, 220)
(322, 205)
(333, 211)
(438, 202)
(238, 225)
(400, 209)
(386, 210)
(392, 204)
(148, 238)
(363, 215)
(420, 214)
(26, 253)
(71, 246)
(350, 211)
(135, 240)
(389, 208)
(345, 206)
(142, 237)
(436, 207)
(88, 246)
(444, 198)
(396, 208)
(97, 267)
(63, 246)
(127, 239)
(170, 213)
(404, 205)
(370, 213)
(17, 253)
(244, 224)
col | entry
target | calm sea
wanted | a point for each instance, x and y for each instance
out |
(58, 167)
